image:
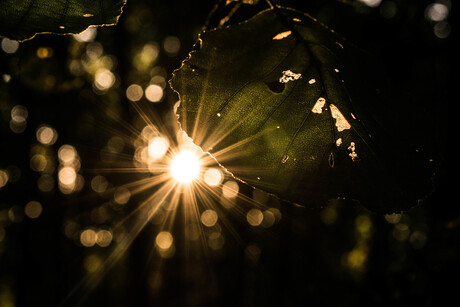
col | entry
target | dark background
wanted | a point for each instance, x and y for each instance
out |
(302, 260)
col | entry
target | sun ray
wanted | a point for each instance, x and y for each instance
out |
(171, 185)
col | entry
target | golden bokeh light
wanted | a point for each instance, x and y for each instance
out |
(19, 114)
(16, 214)
(134, 92)
(121, 195)
(76, 186)
(268, 219)
(104, 79)
(171, 45)
(216, 240)
(99, 184)
(104, 238)
(254, 217)
(209, 218)
(17, 127)
(393, 218)
(67, 154)
(442, 30)
(87, 35)
(67, 176)
(33, 209)
(363, 224)
(230, 189)
(92, 263)
(3, 178)
(276, 213)
(94, 51)
(158, 147)
(164, 240)
(371, 3)
(46, 135)
(9, 46)
(69, 181)
(38, 162)
(213, 176)
(146, 57)
(6, 78)
(45, 52)
(88, 237)
(18, 121)
(436, 12)
(154, 93)
(356, 258)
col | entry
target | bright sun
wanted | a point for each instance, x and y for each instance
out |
(185, 166)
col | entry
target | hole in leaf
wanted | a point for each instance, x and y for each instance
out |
(282, 35)
(275, 86)
(285, 158)
(331, 160)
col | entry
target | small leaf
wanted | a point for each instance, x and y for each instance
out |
(290, 107)
(22, 20)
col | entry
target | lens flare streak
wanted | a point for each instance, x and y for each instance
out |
(178, 180)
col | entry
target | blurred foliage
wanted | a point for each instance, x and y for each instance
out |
(69, 123)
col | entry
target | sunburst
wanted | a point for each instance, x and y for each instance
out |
(178, 179)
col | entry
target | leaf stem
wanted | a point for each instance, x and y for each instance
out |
(270, 4)
(211, 13)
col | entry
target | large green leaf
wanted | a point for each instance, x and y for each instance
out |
(288, 106)
(23, 19)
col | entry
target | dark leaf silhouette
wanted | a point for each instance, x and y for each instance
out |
(22, 20)
(288, 106)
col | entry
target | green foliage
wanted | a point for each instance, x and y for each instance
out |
(22, 20)
(288, 106)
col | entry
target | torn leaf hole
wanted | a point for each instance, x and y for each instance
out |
(282, 35)
(275, 86)
(285, 158)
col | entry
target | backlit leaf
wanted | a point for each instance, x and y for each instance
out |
(288, 106)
